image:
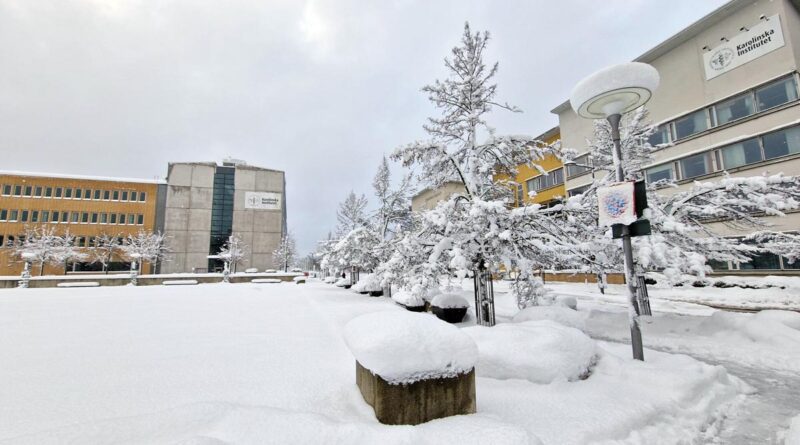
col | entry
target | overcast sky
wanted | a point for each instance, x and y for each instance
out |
(319, 89)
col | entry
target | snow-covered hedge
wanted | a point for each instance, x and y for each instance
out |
(402, 347)
(538, 351)
(559, 314)
(449, 301)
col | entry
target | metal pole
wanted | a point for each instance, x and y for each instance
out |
(630, 281)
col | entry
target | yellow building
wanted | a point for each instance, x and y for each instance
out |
(84, 206)
(547, 189)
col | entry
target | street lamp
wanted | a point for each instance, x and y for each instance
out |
(607, 94)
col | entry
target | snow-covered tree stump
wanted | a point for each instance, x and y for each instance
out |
(412, 368)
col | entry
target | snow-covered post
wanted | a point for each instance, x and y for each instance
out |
(135, 257)
(608, 94)
(25, 278)
(484, 295)
(226, 271)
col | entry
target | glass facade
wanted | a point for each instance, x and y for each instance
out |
(221, 213)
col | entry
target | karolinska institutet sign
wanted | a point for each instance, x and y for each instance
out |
(262, 200)
(761, 39)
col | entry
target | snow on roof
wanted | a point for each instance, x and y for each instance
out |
(85, 177)
(404, 347)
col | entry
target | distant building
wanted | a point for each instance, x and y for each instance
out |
(429, 197)
(728, 102)
(86, 206)
(534, 187)
(206, 203)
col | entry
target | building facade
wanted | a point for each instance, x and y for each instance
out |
(727, 102)
(84, 206)
(534, 187)
(429, 197)
(207, 202)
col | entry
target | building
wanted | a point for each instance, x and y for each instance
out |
(727, 102)
(535, 187)
(429, 197)
(84, 206)
(206, 203)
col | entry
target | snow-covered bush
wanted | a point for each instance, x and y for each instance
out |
(450, 301)
(408, 298)
(342, 282)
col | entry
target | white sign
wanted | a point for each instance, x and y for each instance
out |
(761, 39)
(616, 204)
(262, 200)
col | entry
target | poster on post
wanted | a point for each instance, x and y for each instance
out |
(616, 204)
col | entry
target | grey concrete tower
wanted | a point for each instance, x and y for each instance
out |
(207, 202)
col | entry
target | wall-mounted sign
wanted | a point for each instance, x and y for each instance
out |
(617, 204)
(262, 200)
(761, 39)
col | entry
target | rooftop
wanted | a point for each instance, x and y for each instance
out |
(80, 177)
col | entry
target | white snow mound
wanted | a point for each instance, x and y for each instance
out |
(403, 347)
(538, 351)
(777, 328)
(559, 314)
(449, 301)
(792, 435)
(407, 298)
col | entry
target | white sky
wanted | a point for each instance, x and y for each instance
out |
(319, 89)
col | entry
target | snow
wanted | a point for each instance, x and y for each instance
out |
(407, 298)
(174, 282)
(558, 314)
(537, 351)
(66, 176)
(81, 284)
(329, 280)
(622, 76)
(449, 300)
(404, 347)
(266, 281)
(792, 435)
(299, 279)
(342, 282)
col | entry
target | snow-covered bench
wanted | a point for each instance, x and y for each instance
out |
(178, 282)
(266, 280)
(403, 386)
(79, 284)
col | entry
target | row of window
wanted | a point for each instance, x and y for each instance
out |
(65, 217)
(751, 151)
(80, 241)
(762, 261)
(748, 103)
(541, 182)
(39, 191)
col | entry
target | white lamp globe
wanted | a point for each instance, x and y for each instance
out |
(614, 90)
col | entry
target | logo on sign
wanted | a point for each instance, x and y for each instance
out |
(262, 200)
(721, 59)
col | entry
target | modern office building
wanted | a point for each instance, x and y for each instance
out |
(207, 202)
(727, 102)
(84, 206)
(533, 186)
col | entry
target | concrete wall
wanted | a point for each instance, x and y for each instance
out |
(260, 229)
(190, 188)
(428, 198)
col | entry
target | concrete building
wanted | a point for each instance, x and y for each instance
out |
(727, 102)
(428, 198)
(84, 206)
(206, 203)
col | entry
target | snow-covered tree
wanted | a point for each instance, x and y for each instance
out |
(106, 249)
(472, 231)
(284, 256)
(394, 204)
(145, 247)
(38, 246)
(352, 214)
(232, 253)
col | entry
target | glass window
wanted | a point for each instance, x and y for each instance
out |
(696, 165)
(788, 265)
(10, 240)
(37, 191)
(59, 192)
(84, 217)
(64, 217)
(776, 94)
(81, 241)
(24, 216)
(87, 194)
(78, 193)
(116, 195)
(17, 190)
(140, 219)
(56, 216)
(580, 166)
(691, 124)
(75, 216)
(68, 193)
(48, 192)
(131, 219)
(106, 195)
(743, 153)
(94, 218)
(28, 191)
(113, 218)
(660, 137)
(142, 196)
(124, 195)
(735, 108)
(768, 261)
(121, 218)
(13, 215)
(45, 216)
(660, 173)
(96, 195)
(6, 189)
(3, 215)
(34, 216)
(134, 196)
(781, 143)
(578, 190)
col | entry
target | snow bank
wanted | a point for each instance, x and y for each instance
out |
(776, 328)
(407, 298)
(342, 282)
(448, 301)
(403, 347)
(538, 351)
(329, 280)
(559, 314)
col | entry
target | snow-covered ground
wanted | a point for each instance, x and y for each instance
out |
(251, 363)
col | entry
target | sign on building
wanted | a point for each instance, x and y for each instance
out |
(761, 39)
(616, 204)
(262, 200)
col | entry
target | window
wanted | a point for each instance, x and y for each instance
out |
(106, 195)
(6, 189)
(121, 218)
(56, 216)
(140, 217)
(579, 167)
(781, 143)
(10, 240)
(35, 216)
(3, 216)
(78, 193)
(64, 217)
(736, 108)
(718, 265)
(1, 241)
(116, 195)
(775, 94)
(578, 190)
(661, 173)
(59, 192)
(84, 217)
(660, 137)
(73, 217)
(142, 196)
(48, 192)
(45, 216)
(96, 195)
(12, 215)
(551, 179)
(81, 241)
(68, 193)
(104, 218)
(37, 191)
(124, 195)
(17, 190)
(131, 219)
(768, 261)
(691, 124)
(24, 216)
(113, 218)
(696, 165)
(94, 218)
(742, 153)
(133, 196)
(788, 265)
(87, 194)
(28, 191)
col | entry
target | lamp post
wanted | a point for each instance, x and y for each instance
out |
(607, 94)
